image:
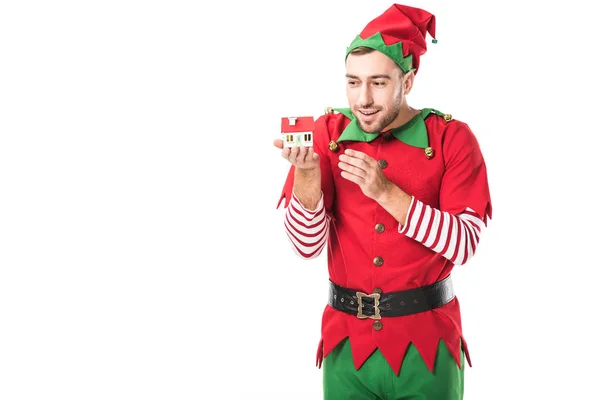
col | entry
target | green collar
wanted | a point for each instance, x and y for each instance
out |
(413, 133)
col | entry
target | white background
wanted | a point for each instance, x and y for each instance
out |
(141, 254)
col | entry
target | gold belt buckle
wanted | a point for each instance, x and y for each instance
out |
(374, 296)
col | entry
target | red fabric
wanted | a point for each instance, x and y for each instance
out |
(320, 354)
(286, 193)
(405, 24)
(454, 179)
(466, 182)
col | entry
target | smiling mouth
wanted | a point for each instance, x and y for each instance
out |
(368, 112)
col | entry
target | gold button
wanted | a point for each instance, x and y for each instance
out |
(329, 110)
(447, 117)
(429, 152)
(377, 325)
(333, 146)
(382, 164)
(377, 290)
(378, 261)
(379, 228)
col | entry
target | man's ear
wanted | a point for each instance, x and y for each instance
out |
(407, 82)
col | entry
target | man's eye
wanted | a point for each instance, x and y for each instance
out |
(352, 83)
(379, 83)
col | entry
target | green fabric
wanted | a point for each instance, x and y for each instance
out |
(393, 51)
(375, 380)
(413, 133)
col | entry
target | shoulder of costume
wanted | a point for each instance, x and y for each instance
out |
(334, 120)
(336, 117)
(444, 124)
(458, 130)
(332, 112)
(432, 111)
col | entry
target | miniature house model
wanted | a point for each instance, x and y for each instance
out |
(297, 131)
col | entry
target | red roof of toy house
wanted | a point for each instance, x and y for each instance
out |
(303, 124)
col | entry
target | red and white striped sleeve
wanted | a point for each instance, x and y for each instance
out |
(307, 230)
(455, 237)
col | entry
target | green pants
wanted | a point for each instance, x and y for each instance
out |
(375, 380)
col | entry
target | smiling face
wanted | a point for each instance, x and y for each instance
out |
(376, 89)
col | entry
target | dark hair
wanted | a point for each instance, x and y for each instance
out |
(359, 51)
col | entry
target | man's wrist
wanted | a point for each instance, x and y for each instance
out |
(388, 193)
(396, 201)
(307, 187)
(308, 172)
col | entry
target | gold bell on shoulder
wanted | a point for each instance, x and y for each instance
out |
(447, 117)
(329, 110)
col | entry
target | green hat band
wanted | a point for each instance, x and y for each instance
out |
(393, 51)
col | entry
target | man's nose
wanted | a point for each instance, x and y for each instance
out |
(365, 99)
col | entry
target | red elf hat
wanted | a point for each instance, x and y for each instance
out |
(399, 33)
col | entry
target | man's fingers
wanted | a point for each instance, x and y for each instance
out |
(351, 178)
(357, 162)
(305, 154)
(359, 155)
(302, 156)
(285, 153)
(293, 157)
(308, 157)
(278, 143)
(352, 169)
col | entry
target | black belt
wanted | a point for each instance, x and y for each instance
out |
(392, 304)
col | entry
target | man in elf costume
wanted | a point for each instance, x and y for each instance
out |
(399, 196)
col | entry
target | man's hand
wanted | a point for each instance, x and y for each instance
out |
(303, 158)
(366, 173)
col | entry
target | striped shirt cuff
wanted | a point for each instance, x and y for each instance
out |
(307, 230)
(455, 237)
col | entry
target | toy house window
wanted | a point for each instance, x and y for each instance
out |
(307, 137)
(289, 138)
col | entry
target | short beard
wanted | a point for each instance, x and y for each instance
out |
(388, 118)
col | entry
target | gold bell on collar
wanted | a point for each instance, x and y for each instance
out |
(429, 152)
(333, 146)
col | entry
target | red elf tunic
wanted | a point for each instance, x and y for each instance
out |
(452, 178)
